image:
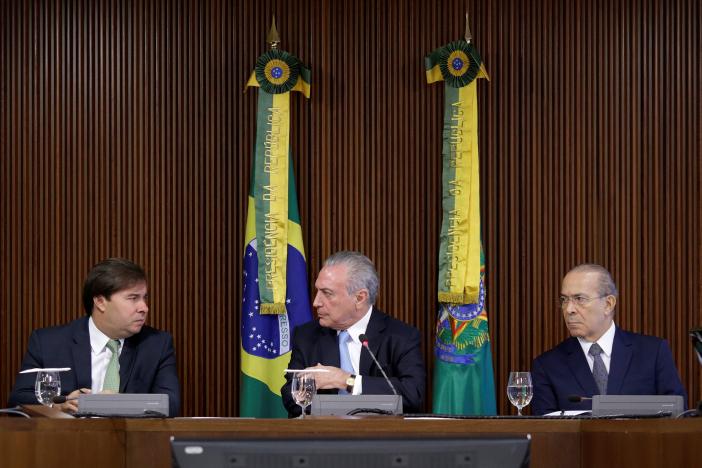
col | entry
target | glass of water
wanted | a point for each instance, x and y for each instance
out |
(47, 386)
(303, 390)
(520, 389)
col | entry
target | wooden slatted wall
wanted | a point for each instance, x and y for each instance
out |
(124, 131)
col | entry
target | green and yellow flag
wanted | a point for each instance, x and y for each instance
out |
(276, 293)
(463, 379)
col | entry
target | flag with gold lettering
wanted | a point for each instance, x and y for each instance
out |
(276, 293)
(463, 376)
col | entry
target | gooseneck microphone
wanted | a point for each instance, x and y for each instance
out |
(364, 342)
(577, 398)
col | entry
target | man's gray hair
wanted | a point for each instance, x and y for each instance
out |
(606, 286)
(361, 273)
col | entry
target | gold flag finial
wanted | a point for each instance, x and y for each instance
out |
(468, 36)
(273, 39)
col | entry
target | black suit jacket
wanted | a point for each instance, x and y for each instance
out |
(147, 363)
(396, 345)
(640, 365)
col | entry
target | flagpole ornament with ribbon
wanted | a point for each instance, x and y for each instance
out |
(458, 65)
(276, 292)
(463, 380)
(277, 73)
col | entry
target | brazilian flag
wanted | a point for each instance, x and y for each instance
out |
(276, 293)
(463, 380)
(463, 375)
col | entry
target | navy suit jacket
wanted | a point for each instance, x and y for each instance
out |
(396, 345)
(147, 362)
(640, 365)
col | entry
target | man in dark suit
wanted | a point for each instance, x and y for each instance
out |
(110, 350)
(347, 287)
(599, 358)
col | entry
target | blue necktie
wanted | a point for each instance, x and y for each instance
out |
(599, 371)
(345, 357)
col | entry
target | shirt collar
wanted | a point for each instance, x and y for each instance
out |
(359, 327)
(606, 341)
(98, 340)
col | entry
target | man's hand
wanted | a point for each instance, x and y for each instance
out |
(71, 404)
(333, 378)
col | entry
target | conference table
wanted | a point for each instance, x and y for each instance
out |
(52, 438)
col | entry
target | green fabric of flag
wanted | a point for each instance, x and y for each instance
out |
(463, 377)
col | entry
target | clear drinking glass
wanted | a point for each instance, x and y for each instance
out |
(47, 386)
(520, 389)
(303, 390)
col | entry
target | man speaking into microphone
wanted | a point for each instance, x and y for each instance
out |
(347, 287)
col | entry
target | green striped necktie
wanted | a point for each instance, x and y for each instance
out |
(111, 382)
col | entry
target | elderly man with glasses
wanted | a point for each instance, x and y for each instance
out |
(599, 358)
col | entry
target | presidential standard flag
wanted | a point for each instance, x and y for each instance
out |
(463, 378)
(276, 293)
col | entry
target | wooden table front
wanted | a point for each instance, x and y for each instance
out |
(146, 442)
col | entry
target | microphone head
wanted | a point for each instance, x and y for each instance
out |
(363, 339)
(59, 399)
(575, 398)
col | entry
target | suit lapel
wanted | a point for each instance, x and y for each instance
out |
(81, 351)
(619, 364)
(328, 351)
(374, 331)
(126, 361)
(329, 348)
(577, 363)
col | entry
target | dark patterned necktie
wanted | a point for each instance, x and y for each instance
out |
(599, 371)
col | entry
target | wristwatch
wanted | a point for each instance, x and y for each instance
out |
(350, 382)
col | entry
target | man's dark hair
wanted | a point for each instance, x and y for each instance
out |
(108, 277)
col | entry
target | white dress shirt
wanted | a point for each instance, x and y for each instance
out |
(355, 346)
(606, 342)
(100, 355)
